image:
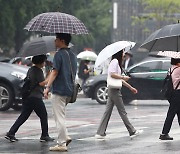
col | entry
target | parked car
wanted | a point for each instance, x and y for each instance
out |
(147, 76)
(4, 59)
(11, 78)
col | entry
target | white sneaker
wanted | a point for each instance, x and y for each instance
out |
(97, 136)
(136, 133)
(59, 148)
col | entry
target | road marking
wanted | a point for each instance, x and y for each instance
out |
(112, 133)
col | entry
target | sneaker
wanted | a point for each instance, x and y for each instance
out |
(165, 137)
(11, 138)
(97, 136)
(68, 141)
(136, 133)
(59, 148)
(46, 139)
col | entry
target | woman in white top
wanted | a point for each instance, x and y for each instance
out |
(115, 98)
(174, 107)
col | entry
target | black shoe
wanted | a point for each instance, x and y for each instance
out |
(165, 137)
(10, 137)
(46, 139)
(68, 141)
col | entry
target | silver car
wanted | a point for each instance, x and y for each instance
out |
(11, 78)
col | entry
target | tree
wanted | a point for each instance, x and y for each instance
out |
(15, 14)
(159, 12)
(97, 18)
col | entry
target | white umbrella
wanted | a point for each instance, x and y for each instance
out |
(171, 54)
(112, 49)
(87, 55)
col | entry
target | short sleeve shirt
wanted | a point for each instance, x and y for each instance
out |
(36, 76)
(114, 67)
(63, 83)
(176, 76)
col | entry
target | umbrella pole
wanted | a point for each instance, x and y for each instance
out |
(178, 43)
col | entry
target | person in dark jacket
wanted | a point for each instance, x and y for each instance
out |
(83, 72)
(34, 101)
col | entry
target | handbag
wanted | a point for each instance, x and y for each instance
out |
(114, 83)
(76, 86)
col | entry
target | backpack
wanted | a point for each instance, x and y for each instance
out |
(26, 88)
(168, 87)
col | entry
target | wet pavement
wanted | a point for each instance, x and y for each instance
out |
(82, 122)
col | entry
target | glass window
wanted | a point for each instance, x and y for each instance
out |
(146, 67)
(166, 65)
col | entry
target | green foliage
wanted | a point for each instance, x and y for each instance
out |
(95, 14)
(162, 12)
(15, 14)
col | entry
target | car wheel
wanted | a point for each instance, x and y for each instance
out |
(6, 97)
(101, 94)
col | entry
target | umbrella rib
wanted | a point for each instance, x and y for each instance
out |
(153, 45)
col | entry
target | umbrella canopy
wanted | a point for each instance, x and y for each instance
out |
(87, 55)
(164, 39)
(37, 46)
(171, 54)
(112, 49)
(56, 22)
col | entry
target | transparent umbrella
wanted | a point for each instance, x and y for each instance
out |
(112, 49)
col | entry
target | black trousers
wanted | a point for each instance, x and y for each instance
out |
(174, 109)
(30, 105)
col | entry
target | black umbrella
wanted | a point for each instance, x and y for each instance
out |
(166, 38)
(37, 46)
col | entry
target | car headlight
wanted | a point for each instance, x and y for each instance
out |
(19, 75)
(89, 81)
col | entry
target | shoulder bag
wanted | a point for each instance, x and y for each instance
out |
(114, 83)
(76, 86)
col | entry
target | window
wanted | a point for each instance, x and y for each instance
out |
(166, 65)
(146, 67)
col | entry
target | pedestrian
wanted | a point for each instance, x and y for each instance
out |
(115, 98)
(83, 72)
(127, 60)
(174, 107)
(34, 101)
(62, 87)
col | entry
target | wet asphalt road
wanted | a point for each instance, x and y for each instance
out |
(82, 122)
